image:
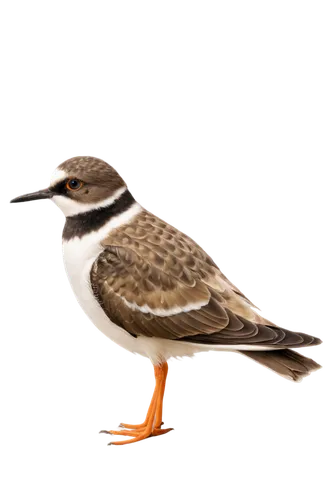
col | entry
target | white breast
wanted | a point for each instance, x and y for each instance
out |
(79, 256)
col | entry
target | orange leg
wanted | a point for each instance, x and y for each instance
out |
(152, 406)
(160, 408)
(161, 405)
(152, 424)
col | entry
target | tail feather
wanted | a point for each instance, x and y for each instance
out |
(285, 362)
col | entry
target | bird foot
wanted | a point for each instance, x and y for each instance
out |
(159, 432)
(138, 434)
(133, 425)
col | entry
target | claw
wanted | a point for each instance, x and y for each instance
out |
(104, 432)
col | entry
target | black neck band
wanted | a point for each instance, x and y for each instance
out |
(86, 222)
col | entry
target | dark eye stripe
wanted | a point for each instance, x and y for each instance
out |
(59, 188)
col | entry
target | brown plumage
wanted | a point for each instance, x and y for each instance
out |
(155, 281)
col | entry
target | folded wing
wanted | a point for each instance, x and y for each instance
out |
(153, 280)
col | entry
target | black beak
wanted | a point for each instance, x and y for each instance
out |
(38, 195)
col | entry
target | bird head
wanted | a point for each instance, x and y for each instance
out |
(79, 185)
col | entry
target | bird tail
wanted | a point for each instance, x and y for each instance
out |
(285, 362)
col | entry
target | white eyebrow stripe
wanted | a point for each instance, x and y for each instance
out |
(58, 176)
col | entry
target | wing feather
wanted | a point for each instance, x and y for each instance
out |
(153, 280)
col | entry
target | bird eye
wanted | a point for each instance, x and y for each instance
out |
(74, 184)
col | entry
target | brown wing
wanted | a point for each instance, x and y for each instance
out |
(153, 280)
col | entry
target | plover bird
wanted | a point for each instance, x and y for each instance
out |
(152, 289)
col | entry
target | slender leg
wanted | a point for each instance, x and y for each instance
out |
(157, 431)
(152, 424)
(160, 409)
(152, 405)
